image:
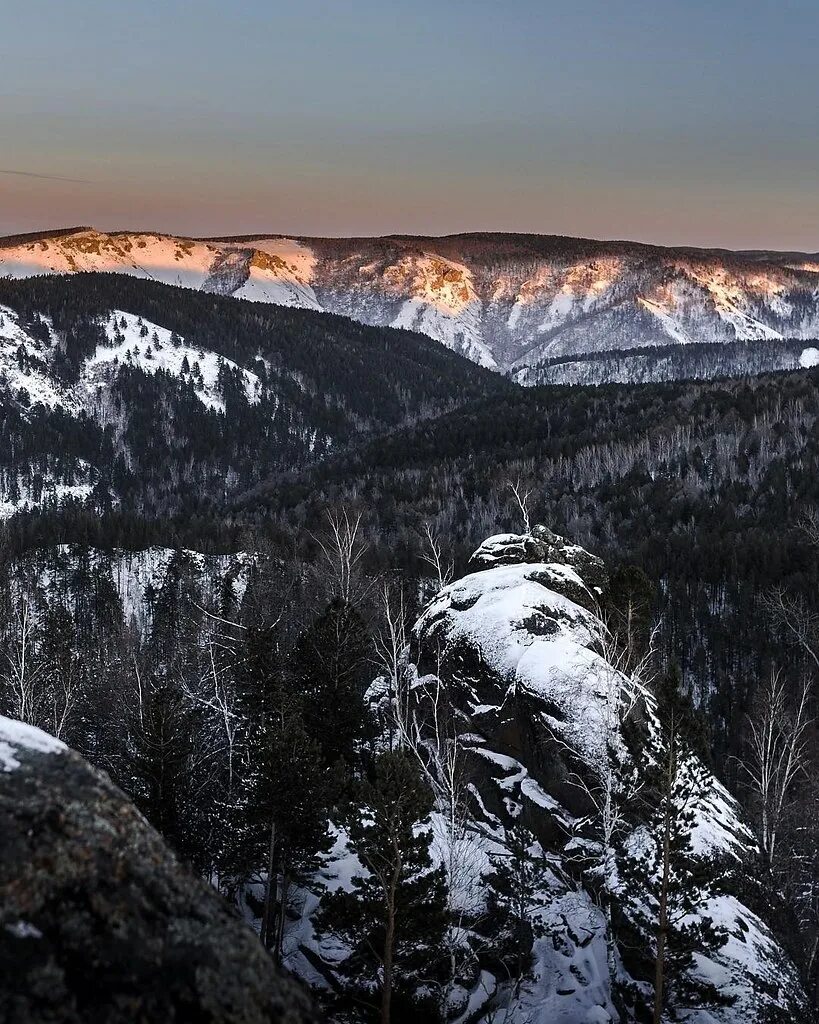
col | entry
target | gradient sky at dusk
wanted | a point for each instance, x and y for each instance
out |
(677, 121)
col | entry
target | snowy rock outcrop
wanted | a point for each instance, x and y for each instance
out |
(542, 716)
(566, 568)
(99, 922)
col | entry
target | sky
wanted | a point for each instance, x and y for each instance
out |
(670, 121)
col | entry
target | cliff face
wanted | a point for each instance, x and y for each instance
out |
(99, 922)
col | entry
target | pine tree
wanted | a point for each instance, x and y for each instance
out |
(670, 882)
(286, 790)
(394, 917)
(332, 664)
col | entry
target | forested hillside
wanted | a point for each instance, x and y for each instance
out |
(163, 400)
(229, 539)
(705, 486)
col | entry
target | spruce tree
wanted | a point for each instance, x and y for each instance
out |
(393, 918)
(669, 881)
(285, 791)
(332, 665)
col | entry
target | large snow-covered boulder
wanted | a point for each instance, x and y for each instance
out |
(100, 923)
(565, 568)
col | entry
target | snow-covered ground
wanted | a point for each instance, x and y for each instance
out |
(34, 491)
(151, 348)
(24, 364)
(135, 574)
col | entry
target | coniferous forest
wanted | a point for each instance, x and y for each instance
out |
(266, 610)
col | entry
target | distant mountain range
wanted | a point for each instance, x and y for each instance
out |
(529, 305)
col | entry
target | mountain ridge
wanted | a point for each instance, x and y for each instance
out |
(510, 302)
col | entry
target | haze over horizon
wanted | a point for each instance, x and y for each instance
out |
(672, 124)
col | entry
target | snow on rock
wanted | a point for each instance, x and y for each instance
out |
(809, 357)
(522, 668)
(17, 739)
(523, 663)
(571, 570)
(532, 637)
(135, 573)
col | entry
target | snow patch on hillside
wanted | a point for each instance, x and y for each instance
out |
(299, 259)
(28, 491)
(460, 332)
(24, 364)
(440, 302)
(151, 348)
(666, 320)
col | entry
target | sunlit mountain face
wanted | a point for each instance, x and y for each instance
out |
(519, 303)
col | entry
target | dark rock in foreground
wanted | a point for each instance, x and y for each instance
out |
(99, 923)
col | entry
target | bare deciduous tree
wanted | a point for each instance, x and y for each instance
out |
(795, 619)
(522, 498)
(427, 726)
(776, 755)
(433, 555)
(343, 550)
(220, 699)
(391, 651)
(23, 672)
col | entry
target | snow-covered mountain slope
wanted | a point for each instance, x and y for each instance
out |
(31, 379)
(27, 357)
(274, 270)
(542, 724)
(25, 362)
(151, 348)
(505, 301)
